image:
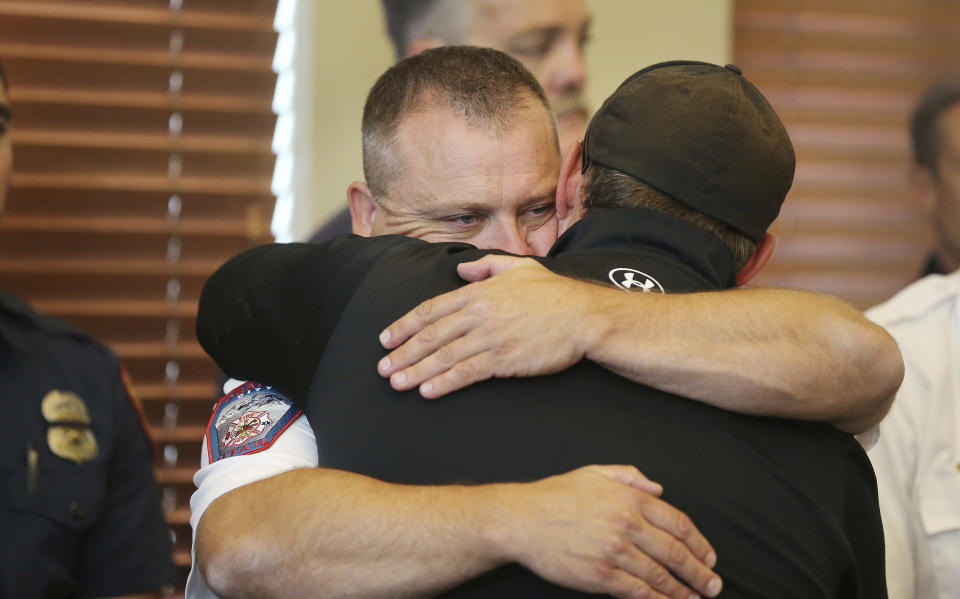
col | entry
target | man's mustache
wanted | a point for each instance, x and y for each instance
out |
(569, 103)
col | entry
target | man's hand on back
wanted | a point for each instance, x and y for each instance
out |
(630, 544)
(525, 321)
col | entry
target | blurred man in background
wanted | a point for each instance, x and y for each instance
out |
(81, 508)
(917, 458)
(546, 36)
(935, 173)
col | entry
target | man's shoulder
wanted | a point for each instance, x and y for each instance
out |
(923, 319)
(396, 243)
(16, 308)
(354, 249)
(917, 302)
(361, 259)
(36, 331)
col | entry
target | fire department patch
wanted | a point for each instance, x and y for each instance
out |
(247, 420)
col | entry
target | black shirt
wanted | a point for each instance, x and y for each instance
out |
(80, 509)
(790, 507)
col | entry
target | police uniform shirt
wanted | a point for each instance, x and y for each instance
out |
(917, 458)
(80, 509)
(790, 507)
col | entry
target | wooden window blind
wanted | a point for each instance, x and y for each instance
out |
(844, 76)
(142, 161)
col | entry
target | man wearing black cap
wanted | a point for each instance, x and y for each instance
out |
(790, 507)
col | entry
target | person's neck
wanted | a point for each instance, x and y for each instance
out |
(948, 260)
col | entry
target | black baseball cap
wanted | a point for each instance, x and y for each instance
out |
(701, 134)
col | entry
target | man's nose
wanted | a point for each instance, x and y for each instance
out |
(568, 71)
(508, 237)
(519, 247)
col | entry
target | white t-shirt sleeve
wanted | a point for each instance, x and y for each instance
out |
(295, 447)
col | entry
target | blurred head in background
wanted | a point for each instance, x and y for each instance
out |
(935, 140)
(6, 150)
(547, 36)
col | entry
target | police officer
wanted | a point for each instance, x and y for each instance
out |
(80, 509)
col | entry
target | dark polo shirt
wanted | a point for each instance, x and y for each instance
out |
(790, 507)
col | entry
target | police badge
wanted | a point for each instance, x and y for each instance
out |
(69, 435)
(73, 443)
(64, 406)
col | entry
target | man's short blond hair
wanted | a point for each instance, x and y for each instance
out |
(485, 87)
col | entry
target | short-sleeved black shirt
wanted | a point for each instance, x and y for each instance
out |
(790, 507)
(80, 508)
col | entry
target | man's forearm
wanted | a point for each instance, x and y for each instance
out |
(771, 352)
(327, 533)
(335, 534)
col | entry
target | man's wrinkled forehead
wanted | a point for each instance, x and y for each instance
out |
(445, 155)
(445, 139)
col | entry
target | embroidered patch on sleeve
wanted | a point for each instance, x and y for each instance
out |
(247, 420)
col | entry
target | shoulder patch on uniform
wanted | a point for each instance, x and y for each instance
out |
(247, 420)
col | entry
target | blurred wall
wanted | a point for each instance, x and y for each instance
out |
(352, 50)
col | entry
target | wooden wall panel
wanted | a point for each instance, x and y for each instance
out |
(141, 135)
(844, 75)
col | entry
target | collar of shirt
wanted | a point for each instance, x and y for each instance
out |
(643, 230)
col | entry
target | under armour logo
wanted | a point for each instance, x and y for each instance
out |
(630, 279)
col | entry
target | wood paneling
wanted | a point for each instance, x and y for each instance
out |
(844, 76)
(141, 135)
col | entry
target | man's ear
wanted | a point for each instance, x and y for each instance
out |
(363, 210)
(761, 255)
(568, 187)
(419, 45)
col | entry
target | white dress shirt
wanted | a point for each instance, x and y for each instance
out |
(917, 458)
